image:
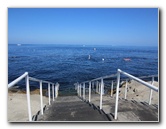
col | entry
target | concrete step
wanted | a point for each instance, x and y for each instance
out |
(128, 110)
(72, 111)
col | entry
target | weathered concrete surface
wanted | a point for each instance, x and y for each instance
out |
(139, 92)
(17, 106)
(71, 108)
(128, 110)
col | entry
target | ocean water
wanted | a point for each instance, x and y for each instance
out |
(68, 64)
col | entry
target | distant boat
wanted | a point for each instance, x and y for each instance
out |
(127, 59)
(18, 44)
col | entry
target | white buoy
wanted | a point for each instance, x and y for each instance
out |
(94, 49)
(89, 57)
(102, 59)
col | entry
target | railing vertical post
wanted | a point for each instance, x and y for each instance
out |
(89, 91)
(117, 94)
(112, 88)
(83, 90)
(99, 88)
(41, 98)
(151, 92)
(56, 91)
(28, 97)
(96, 86)
(126, 90)
(49, 94)
(80, 90)
(101, 95)
(92, 84)
(102, 88)
(53, 92)
(77, 89)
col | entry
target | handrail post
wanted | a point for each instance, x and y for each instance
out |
(99, 88)
(57, 90)
(101, 95)
(49, 93)
(151, 92)
(83, 90)
(56, 95)
(89, 91)
(102, 88)
(28, 97)
(80, 90)
(53, 92)
(117, 94)
(41, 98)
(112, 88)
(96, 86)
(126, 90)
(92, 85)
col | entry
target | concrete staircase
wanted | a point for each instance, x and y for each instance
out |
(71, 108)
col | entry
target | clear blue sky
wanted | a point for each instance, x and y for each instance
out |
(116, 26)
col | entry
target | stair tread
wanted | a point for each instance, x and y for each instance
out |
(78, 110)
(72, 111)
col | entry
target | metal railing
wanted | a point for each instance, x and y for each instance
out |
(98, 82)
(151, 86)
(100, 87)
(55, 88)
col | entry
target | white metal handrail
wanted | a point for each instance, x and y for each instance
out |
(27, 79)
(17, 80)
(134, 78)
(100, 87)
(139, 80)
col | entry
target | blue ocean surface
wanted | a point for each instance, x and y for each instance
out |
(68, 64)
